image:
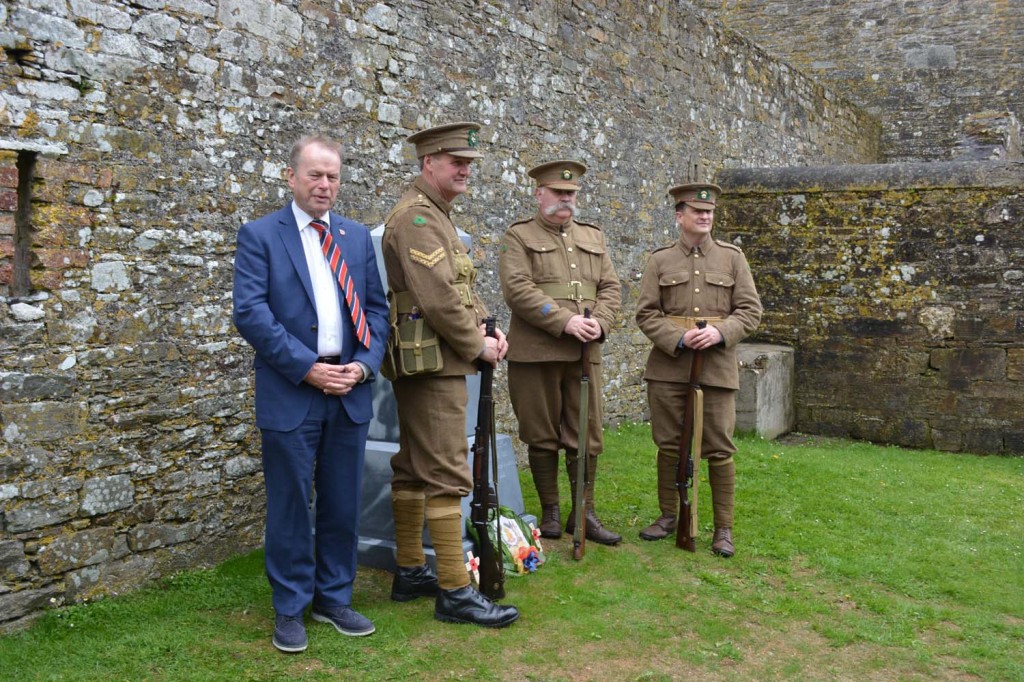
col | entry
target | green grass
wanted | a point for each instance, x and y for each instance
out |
(854, 562)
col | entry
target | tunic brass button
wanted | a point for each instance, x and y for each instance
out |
(696, 255)
(696, 291)
(573, 266)
(673, 281)
(696, 310)
(569, 249)
(696, 272)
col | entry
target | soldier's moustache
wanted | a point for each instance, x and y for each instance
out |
(561, 205)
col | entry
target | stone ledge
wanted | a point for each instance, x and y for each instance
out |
(764, 404)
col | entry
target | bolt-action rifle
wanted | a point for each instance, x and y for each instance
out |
(484, 507)
(579, 535)
(689, 454)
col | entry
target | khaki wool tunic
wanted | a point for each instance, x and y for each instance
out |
(711, 280)
(424, 256)
(544, 390)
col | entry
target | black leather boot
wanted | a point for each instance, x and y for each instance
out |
(467, 605)
(410, 583)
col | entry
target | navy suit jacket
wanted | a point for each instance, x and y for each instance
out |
(274, 310)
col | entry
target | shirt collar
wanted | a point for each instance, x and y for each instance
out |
(303, 219)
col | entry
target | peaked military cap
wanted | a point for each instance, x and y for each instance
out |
(562, 174)
(702, 195)
(458, 139)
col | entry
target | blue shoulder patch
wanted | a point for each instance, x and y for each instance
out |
(545, 309)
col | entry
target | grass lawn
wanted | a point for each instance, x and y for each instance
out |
(854, 562)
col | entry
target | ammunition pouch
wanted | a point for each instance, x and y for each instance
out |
(414, 348)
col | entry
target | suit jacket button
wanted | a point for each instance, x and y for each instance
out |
(313, 328)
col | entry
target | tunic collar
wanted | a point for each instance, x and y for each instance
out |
(703, 247)
(423, 186)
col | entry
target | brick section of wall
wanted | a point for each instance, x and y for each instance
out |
(923, 66)
(902, 290)
(128, 445)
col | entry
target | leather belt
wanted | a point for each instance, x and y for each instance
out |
(404, 303)
(571, 291)
(330, 359)
(691, 322)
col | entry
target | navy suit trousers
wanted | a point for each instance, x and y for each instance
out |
(325, 452)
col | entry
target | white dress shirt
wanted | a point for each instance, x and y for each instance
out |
(325, 287)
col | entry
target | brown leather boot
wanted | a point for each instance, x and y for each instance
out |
(668, 499)
(551, 521)
(660, 529)
(596, 532)
(722, 544)
(544, 468)
(722, 477)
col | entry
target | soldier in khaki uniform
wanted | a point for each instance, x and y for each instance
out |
(696, 278)
(552, 269)
(430, 277)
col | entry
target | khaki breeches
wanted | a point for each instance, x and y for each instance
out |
(666, 400)
(546, 399)
(432, 447)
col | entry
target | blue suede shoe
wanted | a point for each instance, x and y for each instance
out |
(289, 634)
(345, 620)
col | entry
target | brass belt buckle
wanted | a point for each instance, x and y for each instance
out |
(574, 291)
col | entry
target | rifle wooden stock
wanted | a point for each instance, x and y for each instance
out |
(484, 506)
(686, 472)
(579, 535)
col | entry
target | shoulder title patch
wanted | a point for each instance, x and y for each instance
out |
(419, 220)
(428, 259)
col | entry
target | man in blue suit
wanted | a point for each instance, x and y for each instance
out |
(308, 298)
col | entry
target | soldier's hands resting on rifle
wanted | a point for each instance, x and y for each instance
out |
(495, 347)
(583, 328)
(699, 339)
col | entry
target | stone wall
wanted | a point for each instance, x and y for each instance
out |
(901, 288)
(136, 136)
(924, 67)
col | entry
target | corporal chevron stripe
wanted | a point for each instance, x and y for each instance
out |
(332, 252)
(428, 259)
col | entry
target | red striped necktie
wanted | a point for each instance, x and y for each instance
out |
(332, 252)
